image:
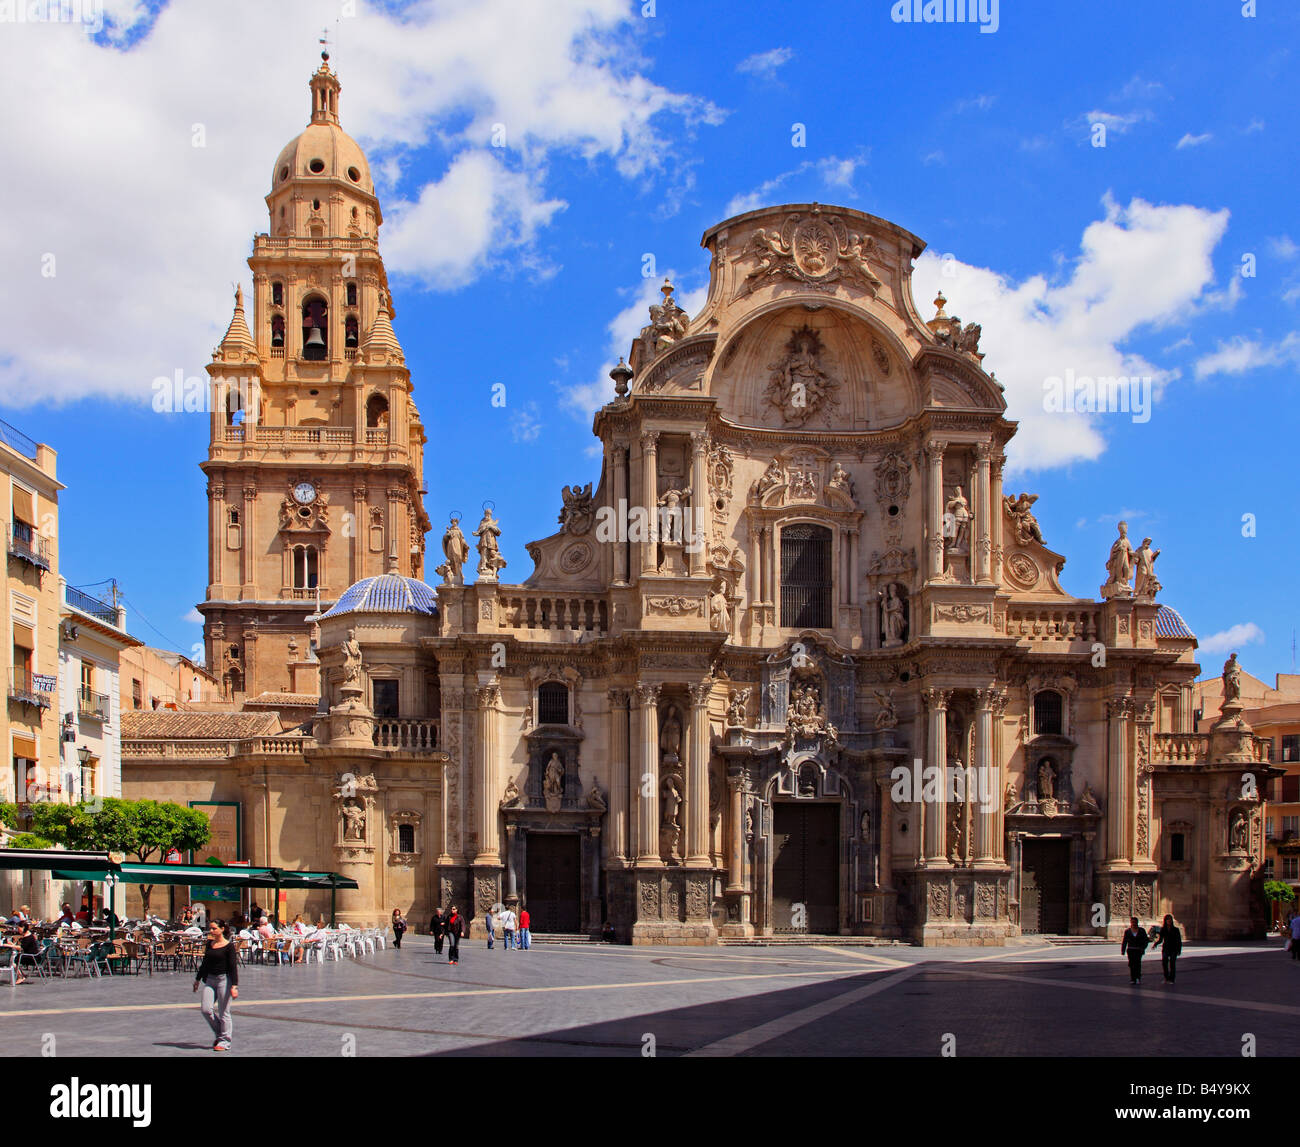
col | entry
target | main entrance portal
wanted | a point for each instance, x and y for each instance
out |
(1045, 887)
(805, 868)
(552, 881)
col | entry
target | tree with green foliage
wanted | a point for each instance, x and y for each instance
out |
(28, 840)
(141, 829)
(9, 814)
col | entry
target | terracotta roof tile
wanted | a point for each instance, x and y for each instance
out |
(171, 724)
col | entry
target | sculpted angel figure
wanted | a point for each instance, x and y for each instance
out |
(1027, 528)
(887, 718)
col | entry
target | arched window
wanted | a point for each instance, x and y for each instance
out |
(376, 411)
(350, 331)
(352, 287)
(277, 294)
(304, 567)
(315, 329)
(277, 330)
(552, 703)
(1047, 713)
(806, 577)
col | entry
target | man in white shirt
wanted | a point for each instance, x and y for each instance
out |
(508, 925)
(201, 917)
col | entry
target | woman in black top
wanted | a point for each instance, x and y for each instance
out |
(1170, 942)
(399, 926)
(454, 928)
(219, 975)
(438, 927)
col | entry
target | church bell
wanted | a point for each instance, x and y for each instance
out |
(314, 338)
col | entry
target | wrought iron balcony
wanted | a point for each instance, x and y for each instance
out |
(91, 606)
(30, 688)
(94, 705)
(27, 545)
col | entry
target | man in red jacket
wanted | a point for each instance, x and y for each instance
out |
(525, 936)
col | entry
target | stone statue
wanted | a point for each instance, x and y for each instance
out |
(354, 821)
(887, 718)
(672, 800)
(895, 626)
(736, 707)
(670, 736)
(1237, 837)
(1088, 802)
(456, 549)
(670, 515)
(1231, 680)
(1046, 782)
(1144, 580)
(490, 561)
(1009, 800)
(511, 796)
(958, 513)
(1119, 565)
(773, 476)
(749, 824)
(1022, 517)
(719, 608)
(840, 480)
(553, 781)
(594, 798)
(668, 322)
(579, 511)
(351, 660)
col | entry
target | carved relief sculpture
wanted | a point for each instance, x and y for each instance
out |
(800, 388)
(887, 717)
(736, 707)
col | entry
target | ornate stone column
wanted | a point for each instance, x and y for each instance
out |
(999, 702)
(699, 535)
(854, 545)
(217, 530)
(489, 847)
(618, 466)
(983, 537)
(736, 852)
(646, 778)
(618, 773)
(512, 889)
(246, 553)
(1144, 726)
(995, 569)
(934, 510)
(360, 534)
(697, 779)
(989, 777)
(936, 811)
(1119, 780)
(650, 500)
(885, 845)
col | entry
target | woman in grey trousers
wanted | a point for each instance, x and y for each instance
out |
(219, 975)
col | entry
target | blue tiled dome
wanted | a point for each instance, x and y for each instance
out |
(386, 593)
(1169, 623)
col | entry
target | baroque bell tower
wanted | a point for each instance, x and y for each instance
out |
(316, 454)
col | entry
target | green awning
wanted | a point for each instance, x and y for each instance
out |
(64, 865)
(287, 878)
(207, 875)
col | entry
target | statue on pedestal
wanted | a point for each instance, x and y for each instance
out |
(456, 549)
(490, 561)
(1144, 580)
(1231, 681)
(1119, 566)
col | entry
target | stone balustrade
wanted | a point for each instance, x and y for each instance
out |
(1050, 623)
(531, 609)
(406, 735)
(1180, 748)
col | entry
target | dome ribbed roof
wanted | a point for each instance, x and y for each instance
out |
(385, 593)
(1169, 623)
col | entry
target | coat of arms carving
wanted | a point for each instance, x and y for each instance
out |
(815, 249)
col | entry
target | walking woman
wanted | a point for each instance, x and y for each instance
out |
(219, 975)
(1170, 943)
(454, 925)
(1133, 945)
(437, 929)
(399, 926)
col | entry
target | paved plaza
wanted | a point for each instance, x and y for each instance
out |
(575, 1000)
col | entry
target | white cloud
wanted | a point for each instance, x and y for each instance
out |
(1291, 294)
(1284, 247)
(1141, 266)
(1240, 354)
(980, 103)
(148, 231)
(524, 423)
(1235, 636)
(1190, 140)
(1117, 123)
(933, 158)
(1139, 89)
(831, 172)
(586, 398)
(764, 65)
(194, 617)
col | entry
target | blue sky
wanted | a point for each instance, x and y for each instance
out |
(629, 135)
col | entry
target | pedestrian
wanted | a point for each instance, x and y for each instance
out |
(399, 926)
(490, 925)
(453, 927)
(1134, 944)
(201, 916)
(508, 925)
(1295, 937)
(1169, 939)
(438, 929)
(525, 936)
(219, 975)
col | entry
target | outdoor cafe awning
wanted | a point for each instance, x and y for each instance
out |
(98, 865)
(64, 865)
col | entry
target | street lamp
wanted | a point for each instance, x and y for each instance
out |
(84, 755)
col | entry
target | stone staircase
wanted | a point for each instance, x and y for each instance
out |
(804, 941)
(1072, 941)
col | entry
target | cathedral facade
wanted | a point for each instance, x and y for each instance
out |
(794, 662)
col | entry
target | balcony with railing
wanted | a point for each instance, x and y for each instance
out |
(538, 609)
(1052, 623)
(18, 441)
(296, 243)
(95, 706)
(28, 546)
(406, 735)
(30, 688)
(94, 607)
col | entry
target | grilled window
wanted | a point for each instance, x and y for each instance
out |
(806, 577)
(552, 703)
(1047, 713)
(406, 838)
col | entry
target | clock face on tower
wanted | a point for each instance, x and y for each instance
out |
(304, 493)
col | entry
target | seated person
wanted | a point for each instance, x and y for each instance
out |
(12, 949)
(19, 916)
(607, 932)
(110, 918)
(66, 917)
(264, 929)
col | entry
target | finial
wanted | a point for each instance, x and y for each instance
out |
(622, 375)
(239, 297)
(324, 43)
(667, 289)
(392, 559)
(939, 301)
